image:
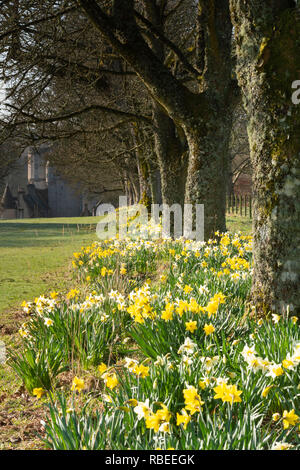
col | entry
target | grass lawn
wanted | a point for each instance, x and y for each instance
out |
(236, 223)
(36, 255)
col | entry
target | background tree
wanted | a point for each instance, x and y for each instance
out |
(240, 163)
(8, 157)
(65, 86)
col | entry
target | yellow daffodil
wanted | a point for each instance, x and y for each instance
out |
(209, 329)
(141, 371)
(102, 368)
(111, 380)
(289, 418)
(228, 393)
(191, 326)
(153, 421)
(192, 400)
(183, 418)
(275, 417)
(38, 392)
(78, 384)
(265, 391)
(187, 289)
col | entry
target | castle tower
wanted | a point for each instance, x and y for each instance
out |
(36, 169)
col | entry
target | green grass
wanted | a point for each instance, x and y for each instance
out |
(236, 223)
(35, 255)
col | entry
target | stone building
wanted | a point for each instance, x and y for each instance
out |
(35, 189)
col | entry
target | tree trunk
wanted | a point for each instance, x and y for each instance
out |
(171, 158)
(133, 189)
(206, 181)
(209, 136)
(230, 184)
(144, 181)
(268, 62)
(155, 184)
(169, 147)
(142, 166)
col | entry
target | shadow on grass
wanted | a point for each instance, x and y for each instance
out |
(33, 234)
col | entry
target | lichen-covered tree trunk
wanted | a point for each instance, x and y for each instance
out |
(143, 166)
(171, 158)
(268, 51)
(155, 184)
(169, 147)
(207, 172)
(144, 181)
(208, 136)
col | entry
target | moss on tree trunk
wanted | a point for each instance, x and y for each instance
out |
(207, 171)
(171, 158)
(268, 49)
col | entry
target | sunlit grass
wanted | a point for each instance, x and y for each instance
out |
(35, 255)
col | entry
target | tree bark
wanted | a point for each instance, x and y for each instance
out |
(268, 62)
(142, 167)
(209, 136)
(207, 171)
(169, 147)
(172, 160)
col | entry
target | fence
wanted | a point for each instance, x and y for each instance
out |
(239, 204)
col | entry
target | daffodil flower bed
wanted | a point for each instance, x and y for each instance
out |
(205, 372)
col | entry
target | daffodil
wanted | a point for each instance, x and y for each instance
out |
(141, 370)
(102, 368)
(281, 446)
(153, 421)
(164, 413)
(289, 418)
(183, 418)
(142, 409)
(38, 392)
(275, 370)
(110, 380)
(187, 289)
(167, 314)
(187, 347)
(191, 326)
(192, 400)
(209, 329)
(275, 417)
(78, 384)
(266, 391)
(276, 318)
(228, 393)
(164, 427)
